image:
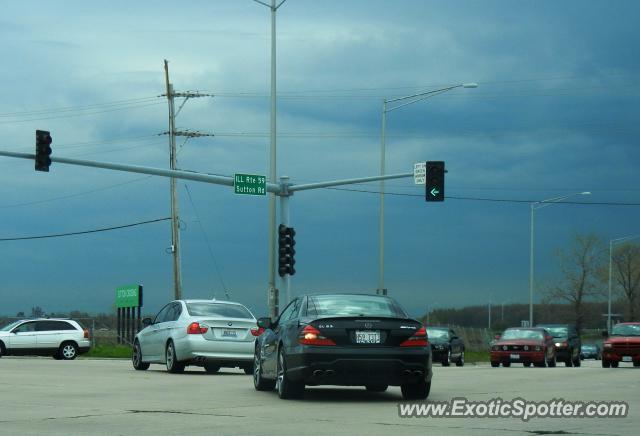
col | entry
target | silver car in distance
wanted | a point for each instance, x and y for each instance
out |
(207, 333)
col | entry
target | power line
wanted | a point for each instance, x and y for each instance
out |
(106, 229)
(501, 200)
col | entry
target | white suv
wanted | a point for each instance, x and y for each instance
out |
(60, 338)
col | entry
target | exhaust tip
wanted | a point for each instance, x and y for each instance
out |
(318, 373)
(406, 372)
(417, 373)
(330, 372)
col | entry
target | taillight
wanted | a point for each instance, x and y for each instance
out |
(196, 329)
(257, 331)
(312, 336)
(419, 339)
(86, 334)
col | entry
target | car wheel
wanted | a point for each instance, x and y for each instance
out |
(615, 364)
(416, 391)
(446, 360)
(577, 362)
(173, 366)
(552, 363)
(211, 368)
(527, 364)
(460, 361)
(540, 364)
(606, 363)
(376, 388)
(506, 364)
(260, 383)
(68, 351)
(2, 349)
(136, 358)
(567, 363)
(286, 388)
(495, 364)
(248, 369)
(636, 363)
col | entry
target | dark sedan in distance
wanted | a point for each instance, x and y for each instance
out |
(590, 351)
(345, 340)
(446, 346)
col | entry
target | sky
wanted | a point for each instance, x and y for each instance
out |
(555, 113)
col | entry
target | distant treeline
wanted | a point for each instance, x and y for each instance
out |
(513, 314)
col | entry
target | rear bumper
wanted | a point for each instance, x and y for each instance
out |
(523, 356)
(358, 367)
(196, 349)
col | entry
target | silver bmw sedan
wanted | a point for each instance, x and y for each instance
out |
(207, 333)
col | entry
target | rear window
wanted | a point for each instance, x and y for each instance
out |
(558, 332)
(353, 305)
(437, 333)
(219, 310)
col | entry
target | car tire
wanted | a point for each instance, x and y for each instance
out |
(495, 364)
(568, 363)
(376, 388)
(68, 351)
(173, 366)
(287, 389)
(260, 383)
(606, 363)
(446, 359)
(636, 363)
(577, 363)
(3, 350)
(506, 364)
(416, 391)
(248, 369)
(136, 358)
(211, 368)
(527, 364)
(615, 364)
(460, 361)
(540, 364)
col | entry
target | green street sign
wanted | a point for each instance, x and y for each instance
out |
(250, 184)
(129, 296)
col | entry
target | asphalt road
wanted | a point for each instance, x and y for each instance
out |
(41, 396)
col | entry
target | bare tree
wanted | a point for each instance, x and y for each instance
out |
(626, 260)
(37, 312)
(580, 267)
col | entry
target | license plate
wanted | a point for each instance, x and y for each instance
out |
(627, 359)
(367, 337)
(229, 334)
(514, 356)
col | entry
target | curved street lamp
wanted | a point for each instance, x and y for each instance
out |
(401, 102)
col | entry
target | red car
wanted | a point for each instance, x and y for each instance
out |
(524, 345)
(623, 345)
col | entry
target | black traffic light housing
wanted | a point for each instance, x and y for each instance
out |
(43, 150)
(435, 181)
(286, 252)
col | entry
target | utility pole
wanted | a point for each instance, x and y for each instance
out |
(173, 164)
(175, 220)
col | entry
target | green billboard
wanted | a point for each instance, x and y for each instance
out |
(129, 296)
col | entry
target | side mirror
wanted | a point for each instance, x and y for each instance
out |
(147, 322)
(549, 338)
(605, 334)
(265, 322)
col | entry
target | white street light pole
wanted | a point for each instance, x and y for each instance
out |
(406, 100)
(534, 206)
(611, 244)
(272, 291)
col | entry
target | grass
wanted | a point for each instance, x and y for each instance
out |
(476, 356)
(109, 351)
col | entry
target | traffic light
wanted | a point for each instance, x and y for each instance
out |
(43, 150)
(286, 251)
(435, 181)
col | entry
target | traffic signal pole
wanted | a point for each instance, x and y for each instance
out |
(285, 280)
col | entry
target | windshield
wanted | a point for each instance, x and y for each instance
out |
(626, 330)
(437, 333)
(218, 310)
(8, 327)
(522, 334)
(354, 305)
(558, 332)
(588, 347)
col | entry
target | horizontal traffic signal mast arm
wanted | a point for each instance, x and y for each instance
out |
(306, 186)
(178, 174)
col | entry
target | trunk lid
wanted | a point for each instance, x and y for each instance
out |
(366, 331)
